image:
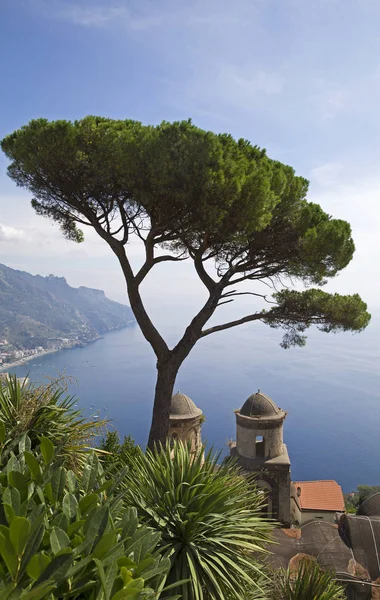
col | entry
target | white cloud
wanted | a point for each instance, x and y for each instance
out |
(143, 14)
(11, 234)
(89, 17)
(97, 15)
(330, 101)
(250, 82)
(345, 194)
(327, 175)
(214, 88)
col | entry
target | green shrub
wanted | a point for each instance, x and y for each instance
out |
(67, 537)
(209, 520)
(46, 410)
(114, 453)
(308, 582)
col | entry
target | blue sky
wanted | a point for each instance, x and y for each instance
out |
(298, 77)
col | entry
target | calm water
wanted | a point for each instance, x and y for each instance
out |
(330, 388)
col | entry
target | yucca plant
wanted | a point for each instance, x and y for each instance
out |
(46, 410)
(308, 582)
(208, 517)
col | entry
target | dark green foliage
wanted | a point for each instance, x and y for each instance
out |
(296, 311)
(229, 186)
(67, 538)
(35, 310)
(209, 519)
(188, 180)
(366, 491)
(114, 453)
(354, 500)
(309, 582)
(45, 410)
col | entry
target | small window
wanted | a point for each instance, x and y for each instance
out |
(260, 446)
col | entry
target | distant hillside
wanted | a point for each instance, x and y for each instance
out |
(39, 311)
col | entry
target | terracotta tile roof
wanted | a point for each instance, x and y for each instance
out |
(320, 495)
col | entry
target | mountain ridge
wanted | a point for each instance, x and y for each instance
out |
(46, 312)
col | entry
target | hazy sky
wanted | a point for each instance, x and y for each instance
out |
(298, 77)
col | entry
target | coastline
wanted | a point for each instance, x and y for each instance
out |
(24, 359)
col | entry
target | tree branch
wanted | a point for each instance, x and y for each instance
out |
(205, 278)
(247, 319)
(235, 293)
(225, 302)
(148, 265)
(255, 276)
(149, 331)
(124, 222)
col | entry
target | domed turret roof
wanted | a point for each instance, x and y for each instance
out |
(183, 407)
(260, 405)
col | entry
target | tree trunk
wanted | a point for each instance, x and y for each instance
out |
(166, 376)
(167, 369)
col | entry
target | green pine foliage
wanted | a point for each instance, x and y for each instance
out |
(67, 537)
(329, 312)
(209, 520)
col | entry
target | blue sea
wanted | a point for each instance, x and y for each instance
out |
(330, 389)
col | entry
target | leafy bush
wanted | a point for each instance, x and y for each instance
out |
(209, 520)
(114, 453)
(67, 537)
(354, 500)
(308, 582)
(46, 410)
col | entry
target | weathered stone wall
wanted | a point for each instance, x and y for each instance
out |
(320, 515)
(283, 480)
(272, 435)
(187, 430)
(295, 512)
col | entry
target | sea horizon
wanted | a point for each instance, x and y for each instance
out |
(330, 390)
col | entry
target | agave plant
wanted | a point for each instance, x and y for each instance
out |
(308, 582)
(209, 520)
(46, 410)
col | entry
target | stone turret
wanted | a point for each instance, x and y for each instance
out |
(186, 421)
(259, 429)
(259, 448)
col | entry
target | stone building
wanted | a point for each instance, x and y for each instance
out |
(186, 421)
(259, 448)
(316, 500)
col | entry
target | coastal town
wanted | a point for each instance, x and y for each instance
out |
(11, 356)
(42, 315)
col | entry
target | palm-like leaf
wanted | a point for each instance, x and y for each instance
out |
(208, 517)
(46, 410)
(309, 582)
